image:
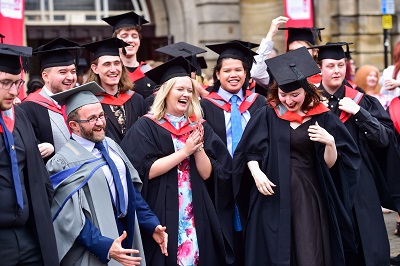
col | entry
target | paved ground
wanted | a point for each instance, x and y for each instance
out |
(390, 220)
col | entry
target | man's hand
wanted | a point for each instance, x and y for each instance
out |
(118, 253)
(46, 149)
(349, 106)
(161, 237)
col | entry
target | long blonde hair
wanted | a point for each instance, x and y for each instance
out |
(158, 109)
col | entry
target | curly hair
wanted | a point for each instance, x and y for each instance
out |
(310, 100)
(361, 78)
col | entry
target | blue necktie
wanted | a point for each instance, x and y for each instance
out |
(236, 123)
(236, 126)
(9, 142)
(119, 198)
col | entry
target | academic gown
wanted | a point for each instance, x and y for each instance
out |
(134, 108)
(214, 115)
(267, 219)
(373, 131)
(146, 142)
(143, 85)
(39, 191)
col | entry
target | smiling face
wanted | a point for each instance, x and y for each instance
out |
(292, 100)
(95, 132)
(232, 75)
(132, 37)
(179, 97)
(372, 80)
(109, 69)
(59, 78)
(333, 73)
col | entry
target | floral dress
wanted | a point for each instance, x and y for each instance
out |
(188, 249)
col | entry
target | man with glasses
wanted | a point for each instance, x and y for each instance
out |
(97, 205)
(26, 229)
(58, 66)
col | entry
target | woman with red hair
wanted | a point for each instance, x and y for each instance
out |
(391, 75)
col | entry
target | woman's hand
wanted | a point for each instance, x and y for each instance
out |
(194, 142)
(319, 134)
(391, 84)
(264, 185)
(275, 23)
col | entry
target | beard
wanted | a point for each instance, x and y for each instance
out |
(90, 134)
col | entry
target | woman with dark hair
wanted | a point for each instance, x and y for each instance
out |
(122, 105)
(295, 173)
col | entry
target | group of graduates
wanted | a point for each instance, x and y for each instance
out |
(280, 162)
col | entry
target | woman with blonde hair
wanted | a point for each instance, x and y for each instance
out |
(184, 167)
(122, 105)
(367, 77)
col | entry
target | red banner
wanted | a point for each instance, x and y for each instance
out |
(300, 12)
(12, 24)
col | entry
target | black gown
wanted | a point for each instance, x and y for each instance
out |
(309, 218)
(379, 185)
(267, 219)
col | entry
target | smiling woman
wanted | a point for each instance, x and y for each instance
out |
(175, 152)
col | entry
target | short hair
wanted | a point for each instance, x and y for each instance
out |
(128, 28)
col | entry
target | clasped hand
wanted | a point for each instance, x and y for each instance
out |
(349, 106)
(195, 140)
(319, 134)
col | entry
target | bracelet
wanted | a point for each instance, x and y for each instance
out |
(200, 149)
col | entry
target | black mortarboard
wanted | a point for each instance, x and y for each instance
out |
(290, 70)
(303, 34)
(187, 51)
(58, 53)
(78, 96)
(106, 47)
(249, 45)
(333, 51)
(177, 67)
(125, 20)
(235, 50)
(13, 58)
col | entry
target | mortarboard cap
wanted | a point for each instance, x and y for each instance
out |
(233, 49)
(303, 34)
(57, 53)
(177, 67)
(249, 45)
(14, 58)
(290, 70)
(78, 96)
(130, 19)
(106, 47)
(333, 51)
(187, 51)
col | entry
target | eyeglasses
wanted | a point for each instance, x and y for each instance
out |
(7, 83)
(93, 120)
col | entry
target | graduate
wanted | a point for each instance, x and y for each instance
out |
(295, 173)
(373, 131)
(26, 230)
(58, 60)
(185, 171)
(128, 27)
(121, 103)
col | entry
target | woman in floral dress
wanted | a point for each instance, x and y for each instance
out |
(183, 165)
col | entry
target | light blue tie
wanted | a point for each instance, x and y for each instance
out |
(236, 126)
(236, 123)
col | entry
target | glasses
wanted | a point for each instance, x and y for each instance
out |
(7, 84)
(93, 120)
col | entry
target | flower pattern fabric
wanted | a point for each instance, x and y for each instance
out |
(188, 249)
